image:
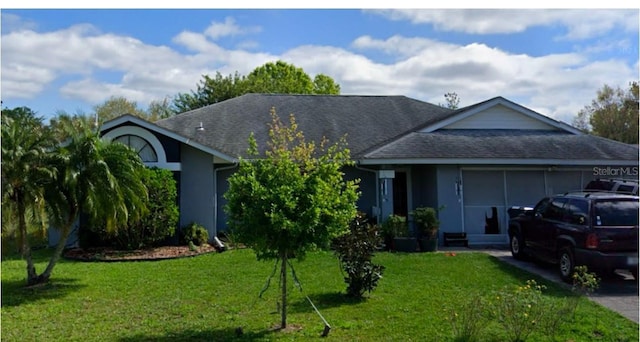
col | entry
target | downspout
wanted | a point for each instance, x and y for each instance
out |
(217, 243)
(375, 172)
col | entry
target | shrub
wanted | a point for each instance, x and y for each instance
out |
(158, 223)
(520, 309)
(395, 226)
(468, 320)
(195, 233)
(355, 250)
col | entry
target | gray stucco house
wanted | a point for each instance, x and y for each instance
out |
(475, 161)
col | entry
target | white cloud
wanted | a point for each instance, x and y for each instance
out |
(580, 24)
(11, 22)
(228, 28)
(557, 85)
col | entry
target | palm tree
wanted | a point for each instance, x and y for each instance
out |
(97, 178)
(85, 175)
(26, 168)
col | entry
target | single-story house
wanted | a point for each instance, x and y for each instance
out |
(475, 161)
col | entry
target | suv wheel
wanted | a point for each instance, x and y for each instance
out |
(566, 264)
(517, 246)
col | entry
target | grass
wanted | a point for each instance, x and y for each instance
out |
(208, 297)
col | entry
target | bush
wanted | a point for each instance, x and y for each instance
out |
(196, 234)
(355, 250)
(158, 223)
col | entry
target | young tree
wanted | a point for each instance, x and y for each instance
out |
(614, 114)
(292, 198)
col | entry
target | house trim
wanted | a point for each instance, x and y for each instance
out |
(128, 118)
(151, 139)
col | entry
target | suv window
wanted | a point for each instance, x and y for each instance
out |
(616, 213)
(625, 188)
(541, 207)
(577, 212)
(554, 210)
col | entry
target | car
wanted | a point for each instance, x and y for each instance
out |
(595, 229)
(625, 186)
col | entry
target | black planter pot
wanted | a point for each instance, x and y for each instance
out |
(405, 244)
(428, 245)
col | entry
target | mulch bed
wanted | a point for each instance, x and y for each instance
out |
(157, 253)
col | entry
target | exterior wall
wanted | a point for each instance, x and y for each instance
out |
(500, 117)
(197, 189)
(222, 174)
(367, 203)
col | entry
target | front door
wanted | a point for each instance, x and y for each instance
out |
(400, 206)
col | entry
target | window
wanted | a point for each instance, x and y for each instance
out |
(616, 213)
(140, 145)
(577, 212)
(554, 209)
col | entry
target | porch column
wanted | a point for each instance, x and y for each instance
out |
(385, 187)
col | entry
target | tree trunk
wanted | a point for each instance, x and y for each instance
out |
(57, 253)
(283, 283)
(24, 243)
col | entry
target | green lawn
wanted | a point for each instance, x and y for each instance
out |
(206, 298)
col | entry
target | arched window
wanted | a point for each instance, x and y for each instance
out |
(140, 145)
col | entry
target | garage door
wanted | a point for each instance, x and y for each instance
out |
(487, 194)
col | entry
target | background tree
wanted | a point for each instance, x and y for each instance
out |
(452, 101)
(291, 199)
(271, 78)
(210, 90)
(116, 106)
(110, 109)
(159, 110)
(613, 114)
(323, 84)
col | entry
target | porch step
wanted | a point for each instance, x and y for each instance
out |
(455, 239)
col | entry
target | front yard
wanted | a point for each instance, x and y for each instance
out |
(212, 297)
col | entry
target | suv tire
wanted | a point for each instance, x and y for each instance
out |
(566, 263)
(516, 243)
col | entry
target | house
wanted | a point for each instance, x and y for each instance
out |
(475, 161)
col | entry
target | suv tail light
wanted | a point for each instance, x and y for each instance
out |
(592, 241)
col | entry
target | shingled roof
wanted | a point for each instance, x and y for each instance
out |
(367, 121)
(388, 129)
(504, 145)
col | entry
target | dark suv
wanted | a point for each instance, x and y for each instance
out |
(596, 229)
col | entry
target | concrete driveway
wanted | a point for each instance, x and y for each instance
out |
(618, 292)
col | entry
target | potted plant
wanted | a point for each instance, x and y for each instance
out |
(396, 226)
(427, 224)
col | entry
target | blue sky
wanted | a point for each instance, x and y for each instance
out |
(552, 61)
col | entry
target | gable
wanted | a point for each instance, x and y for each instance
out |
(500, 117)
(499, 113)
